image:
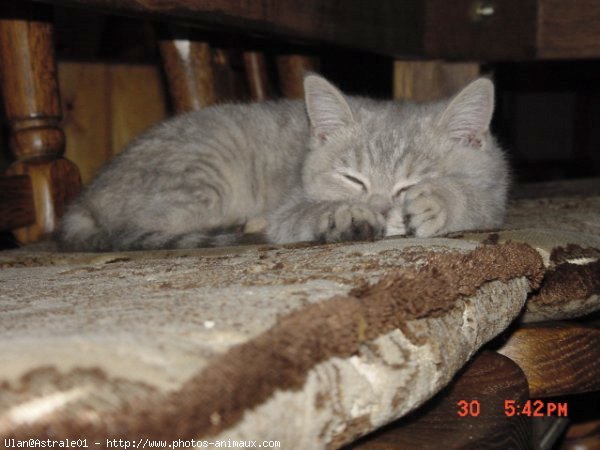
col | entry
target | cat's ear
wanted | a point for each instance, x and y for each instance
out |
(467, 117)
(326, 106)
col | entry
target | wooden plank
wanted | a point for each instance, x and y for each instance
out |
(569, 29)
(389, 27)
(487, 381)
(431, 80)
(291, 69)
(558, 359)
(188, 66)
(86, 97)
(137, 101)
(105, 106)
(256, 75)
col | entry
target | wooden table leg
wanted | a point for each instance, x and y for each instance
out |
(32, 104)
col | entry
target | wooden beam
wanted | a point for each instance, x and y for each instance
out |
(460, 30)
(569, 29)
(389, 27)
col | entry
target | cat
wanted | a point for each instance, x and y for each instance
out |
(329, 168)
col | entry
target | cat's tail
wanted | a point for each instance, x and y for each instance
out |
(79, 232)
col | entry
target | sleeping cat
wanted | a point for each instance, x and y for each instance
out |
(328, 169)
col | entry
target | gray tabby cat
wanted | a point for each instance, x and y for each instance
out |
(331, 168)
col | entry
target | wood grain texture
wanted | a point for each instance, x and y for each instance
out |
(86, 94)
(137, 101)
(16, 202)
(54, 184)
(431, 80)
(291, 69)
(106, 105)
(569, 29)
(490, 379)
(559, 358)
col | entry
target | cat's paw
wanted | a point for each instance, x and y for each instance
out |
(425, 212)
(395, 225)
(350, 223)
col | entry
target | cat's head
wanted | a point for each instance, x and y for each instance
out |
(372, 152)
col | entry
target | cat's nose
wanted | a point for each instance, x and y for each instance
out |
(380, 204)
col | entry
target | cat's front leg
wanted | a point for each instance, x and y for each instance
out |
(425, 210)
(324, 222)
(347, 222)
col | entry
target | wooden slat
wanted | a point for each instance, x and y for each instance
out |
(558, 358)
(256, 75)
(226, 81)
(137, 101)
(85, 93)
(489, 379)
(569, 29)
(292, 69)
(188, 65)
(105, 106)
(431, 80)
(16, 202)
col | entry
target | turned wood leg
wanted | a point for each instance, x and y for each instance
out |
(431, 80)
(291, 70)
(32, 104)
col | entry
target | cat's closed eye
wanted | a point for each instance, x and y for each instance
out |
(401, 187)
(400, 191)
(356, 180)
